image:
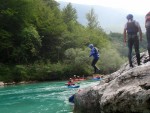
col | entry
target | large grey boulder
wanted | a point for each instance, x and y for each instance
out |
(125, 91)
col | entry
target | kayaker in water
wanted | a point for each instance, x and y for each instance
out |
(70, 82)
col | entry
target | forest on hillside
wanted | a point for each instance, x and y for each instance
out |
(39, 41)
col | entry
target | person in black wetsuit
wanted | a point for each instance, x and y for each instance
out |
(132, 28)
(147, 26)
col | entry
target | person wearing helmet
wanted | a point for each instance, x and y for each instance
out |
(132, 28)
(95, 53)
(147, 26)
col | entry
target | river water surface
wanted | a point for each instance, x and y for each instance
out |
(49, 97)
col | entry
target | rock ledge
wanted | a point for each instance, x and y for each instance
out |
(124, 91)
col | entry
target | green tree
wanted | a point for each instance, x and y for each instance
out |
(6, 45)
(69, 16)
(50, 26)
(92, 19)
(14, 16)
(17, 18)
(78, 59)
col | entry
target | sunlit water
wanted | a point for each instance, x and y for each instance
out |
(49, 97)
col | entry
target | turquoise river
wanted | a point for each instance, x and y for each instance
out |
(49, 97)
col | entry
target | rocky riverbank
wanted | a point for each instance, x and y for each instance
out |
(125, 91)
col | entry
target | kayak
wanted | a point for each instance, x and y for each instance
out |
(96, 78)
(73, 86)
(71, 99)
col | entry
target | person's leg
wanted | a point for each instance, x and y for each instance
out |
(130, 44)
(97, 69)
(148, 40)
(136, 47)
(94, 65)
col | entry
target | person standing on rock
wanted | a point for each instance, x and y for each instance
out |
(95, 53)
(147, 26)
(131, 29)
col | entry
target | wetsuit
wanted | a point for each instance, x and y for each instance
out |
(132, 28)
(147, 26)
(94, 52)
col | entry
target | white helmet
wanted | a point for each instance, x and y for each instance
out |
(91, 46)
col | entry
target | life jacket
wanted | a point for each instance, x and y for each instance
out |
(95, 53)
(147, 17)
(96, 50)
(132, 28)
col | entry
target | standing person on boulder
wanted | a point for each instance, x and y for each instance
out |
(147, 26)
(132, 28)
(95, 53)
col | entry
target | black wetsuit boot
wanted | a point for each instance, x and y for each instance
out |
(138, 59)
(149, 55)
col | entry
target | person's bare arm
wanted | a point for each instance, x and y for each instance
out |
(125, 37)
(145, 21)
(140, 33)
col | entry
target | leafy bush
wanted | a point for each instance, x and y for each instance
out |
(79, 60)
(5, 73)
(19, 73)
(110, 60)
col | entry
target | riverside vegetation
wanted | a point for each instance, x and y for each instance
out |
(41, 42)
